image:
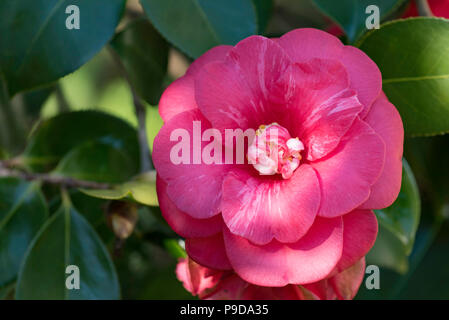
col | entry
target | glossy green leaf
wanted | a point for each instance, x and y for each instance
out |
(264, 10)
(412, 56)
(95, 161)
(144, 54)
(23, 210)
(36, 46)
(56, 137)
(398, 225)
(67, 239)
(141, 189)
(351, 15)
(195, 26)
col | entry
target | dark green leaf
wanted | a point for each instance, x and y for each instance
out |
(198, 25)
(412, 56)
(263, 10)
(22, 212)
(56, 137)
(351, 14)
(67, 239)
(95, 161)
(144, 54)
(36, 48)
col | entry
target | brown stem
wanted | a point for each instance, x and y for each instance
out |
(6, 172)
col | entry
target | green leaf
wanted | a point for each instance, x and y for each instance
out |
(144, 54)
(398, 225)
(198, 25)
(95, 161)
(412, 56)
(56, 137)
(142, 189)
(264, 10)
(22, 212)
(67, 239)
(402, 217)
(37, 48)
(351, 15)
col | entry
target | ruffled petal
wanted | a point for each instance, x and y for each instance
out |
(209, 252)
(359, 234)
(192, 185)
(276, 264)
(261, 209)
(347, 174)
(386, 121)
(182, 223)
(180, 94)
(364, 75)
(243, 91)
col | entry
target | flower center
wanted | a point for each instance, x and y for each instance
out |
(274, 151)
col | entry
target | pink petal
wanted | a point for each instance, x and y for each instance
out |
(386, 121)
(241, 92)
(196, 278)
(180, 94)
(217, 53)
(324, 106)
(229, 288)
(359, 235)
(261, 209)
(347, 283)
(346, 175)
(277, 264)
(209, 252)
(182, 223)
(177, 98)
(290, 292)
(194, 188)
(305, 44)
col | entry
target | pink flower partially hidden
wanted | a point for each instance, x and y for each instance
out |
(338, 156)
(226, 285)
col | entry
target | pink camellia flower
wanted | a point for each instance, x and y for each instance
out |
(308, 214)
(226, 285)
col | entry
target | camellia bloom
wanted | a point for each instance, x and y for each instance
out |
(338, 155)
(225, 285)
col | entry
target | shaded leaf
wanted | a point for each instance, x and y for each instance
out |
(23, 210)
(37, 48)
(56, 137)
(351, 15)
(67, 239)
(195, 26)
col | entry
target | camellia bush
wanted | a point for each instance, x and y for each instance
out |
(224, 149)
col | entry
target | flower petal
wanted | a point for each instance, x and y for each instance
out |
(324, 105)
(182, 223)
(209, 252)
(305, 44)
(195, 278)
(346, 175)
(241, 92)
(261, 209)
(386, 121)
(276, 264)
(359, 234)
(193, 188)
(180, 94)
(347, 283)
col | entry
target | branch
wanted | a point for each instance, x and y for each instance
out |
(140, 111)
(424, 8)
(50, 179)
